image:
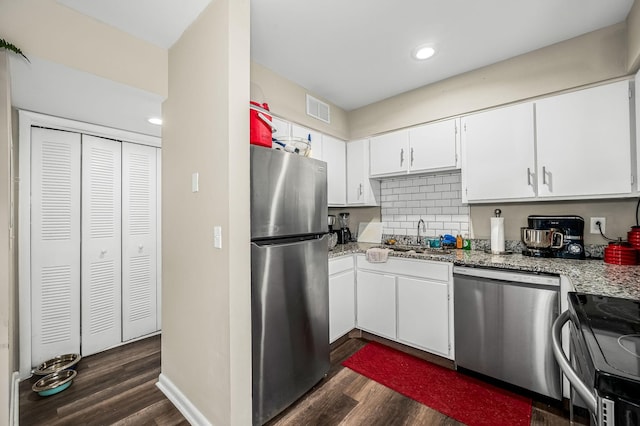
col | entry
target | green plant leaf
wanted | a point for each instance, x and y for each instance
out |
(13, 48)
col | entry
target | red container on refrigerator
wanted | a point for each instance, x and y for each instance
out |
(260, 126)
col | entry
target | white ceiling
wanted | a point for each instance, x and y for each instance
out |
(351, 53)
(356, 52)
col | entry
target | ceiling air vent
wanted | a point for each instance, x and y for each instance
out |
(318, 109)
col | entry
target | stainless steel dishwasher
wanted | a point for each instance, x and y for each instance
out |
(503, 326)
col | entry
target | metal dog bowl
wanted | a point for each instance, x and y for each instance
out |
(54, 383)
(59, 363)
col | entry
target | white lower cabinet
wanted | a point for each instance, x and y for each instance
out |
(408, 301)
(342, 297)
(377, 303)
(423, 314)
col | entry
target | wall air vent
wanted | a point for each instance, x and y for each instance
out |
(318, 109)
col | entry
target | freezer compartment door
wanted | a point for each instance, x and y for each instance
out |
(290, 322)
(288, 194)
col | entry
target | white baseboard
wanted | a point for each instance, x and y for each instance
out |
(14, 417)
(188, 410)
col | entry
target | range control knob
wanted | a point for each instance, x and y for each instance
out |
(574, 248)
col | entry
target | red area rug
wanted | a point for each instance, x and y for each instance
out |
(456, 395)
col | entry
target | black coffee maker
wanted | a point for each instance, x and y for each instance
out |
(567, 233)
(344, 234)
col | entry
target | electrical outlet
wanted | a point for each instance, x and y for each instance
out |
(594, 225)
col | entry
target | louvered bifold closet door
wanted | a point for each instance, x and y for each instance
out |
(101, 244)
(139, 288)
(55, 244)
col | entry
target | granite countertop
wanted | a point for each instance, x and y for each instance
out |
(587, 276)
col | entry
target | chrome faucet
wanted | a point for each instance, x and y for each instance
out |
(424, 229)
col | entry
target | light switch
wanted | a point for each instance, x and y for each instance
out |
(194, 182)
(217, 237)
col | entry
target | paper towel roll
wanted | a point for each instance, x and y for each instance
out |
(497, 235)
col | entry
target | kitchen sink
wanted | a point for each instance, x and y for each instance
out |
(418, 250)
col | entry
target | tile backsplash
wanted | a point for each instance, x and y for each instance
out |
(436, 199)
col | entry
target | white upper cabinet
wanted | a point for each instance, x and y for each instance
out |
(421, 149)
(389, 153)
(572, 146)
(334, 154)
(433, 147)
(361, 191)
(498, 154)
(282, 128)
(584, 142)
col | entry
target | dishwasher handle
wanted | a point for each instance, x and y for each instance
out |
(556, 338)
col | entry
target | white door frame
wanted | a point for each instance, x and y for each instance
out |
(27, 119)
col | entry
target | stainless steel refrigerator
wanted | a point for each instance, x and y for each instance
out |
(289, 278)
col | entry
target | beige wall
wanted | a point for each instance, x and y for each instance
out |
(633, 38)
(206, 342)
(357, 215)
(590, 58)
(620, 216)
(288, 100)
(51, 31)
(7, 272)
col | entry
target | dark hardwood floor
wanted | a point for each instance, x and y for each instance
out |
(117, 387)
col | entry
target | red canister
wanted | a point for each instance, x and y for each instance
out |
(620, 253)
(260, 126)
(633, 237)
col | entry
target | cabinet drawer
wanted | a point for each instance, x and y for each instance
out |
(439, 271)
(340, 264)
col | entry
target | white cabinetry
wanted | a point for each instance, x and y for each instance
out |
(584, 142)
(342, 297)
(376, 303)
(314, 138)
(421, 149)
(498, 157)
(361, 191)
(408, 301)
(433, 147)
(334, 154)
(571, 146)
(389, 153)
(282, 128)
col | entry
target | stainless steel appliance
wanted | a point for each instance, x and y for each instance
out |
(554, 236)
(289, 278)
(604, 371)
(503, 326)
(344, 234)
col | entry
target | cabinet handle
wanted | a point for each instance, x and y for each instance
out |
(140, 247)
(360, 190)
(412, 156)
(528, 176)
(544, 175)
(401, 156)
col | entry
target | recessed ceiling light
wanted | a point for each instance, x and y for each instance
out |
(423, 52)
(155, 120)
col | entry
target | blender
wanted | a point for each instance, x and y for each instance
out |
(344, 234)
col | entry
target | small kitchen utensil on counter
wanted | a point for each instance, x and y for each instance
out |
(554, 236)
(633, 237)
(620, 253)
(344, 234)
(497, 233)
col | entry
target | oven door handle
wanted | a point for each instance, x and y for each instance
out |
(556, 339)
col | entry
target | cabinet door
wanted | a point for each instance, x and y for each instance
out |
(313, 137)
(361, 190)
(423, 314)
(433, 146)
(389, 153)
(342, 304)
(139, 295)
(376, 304)
(334, 154)
(283, 128)
(101, 244)
(584, 142)
(55, 243)
(498, 159)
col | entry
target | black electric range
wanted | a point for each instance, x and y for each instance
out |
(605, 350)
